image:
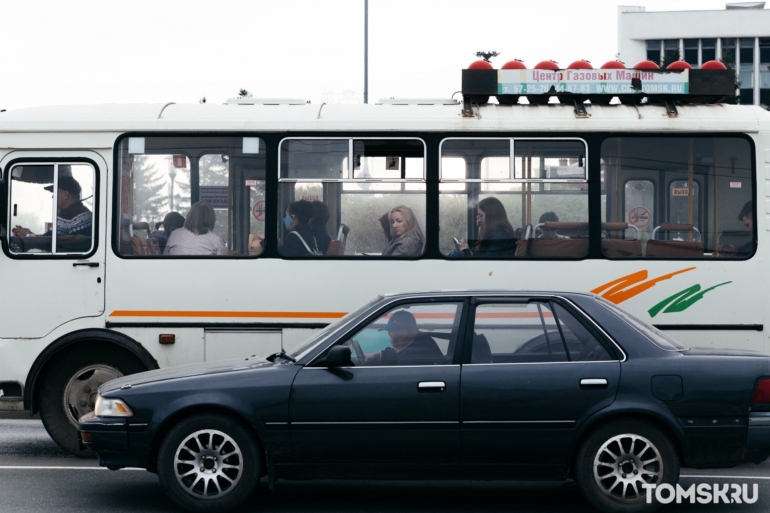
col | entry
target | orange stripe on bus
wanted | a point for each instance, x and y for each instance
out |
(202, 313)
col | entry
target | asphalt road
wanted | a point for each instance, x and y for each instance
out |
(37, 476)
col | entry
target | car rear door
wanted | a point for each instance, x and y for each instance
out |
(534, 369)
(403, 412)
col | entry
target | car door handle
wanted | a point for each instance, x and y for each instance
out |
(86, 264)
(431, 386)
(593, 383)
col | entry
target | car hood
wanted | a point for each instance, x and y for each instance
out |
(721, 351)
(186, 371)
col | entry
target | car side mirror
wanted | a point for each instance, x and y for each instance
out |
(337, 356)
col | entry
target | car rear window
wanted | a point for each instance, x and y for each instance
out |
(654, 335)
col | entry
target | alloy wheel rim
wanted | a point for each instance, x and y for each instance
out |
(208, 464)
(624, 463)
(82, 388)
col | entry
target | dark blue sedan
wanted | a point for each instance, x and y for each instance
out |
(446, 385)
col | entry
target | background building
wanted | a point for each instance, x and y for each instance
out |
(739, 36)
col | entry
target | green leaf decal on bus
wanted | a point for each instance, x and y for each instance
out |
(682, 300)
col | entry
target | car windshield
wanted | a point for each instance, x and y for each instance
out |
(331, 328)
(655, 336)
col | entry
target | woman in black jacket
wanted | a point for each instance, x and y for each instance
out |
(300, 241)
(497, 238)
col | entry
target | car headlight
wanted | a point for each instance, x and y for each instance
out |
(111, 408)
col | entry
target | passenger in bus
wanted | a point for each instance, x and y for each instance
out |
(409, 345)
(497, 238)
(197, 236)
(300, 241)
(549, 233)
(319, 226)
(746, 216)
(73, 218)
(407, 239)
(171, 222)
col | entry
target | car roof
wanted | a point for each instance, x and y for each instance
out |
(483, 293)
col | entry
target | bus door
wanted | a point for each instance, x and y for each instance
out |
(53, 262)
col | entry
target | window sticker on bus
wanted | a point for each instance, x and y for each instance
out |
(216, 196)
(735, 185)
(251, 145)
(639, 217)
(250, 183)
(136, 145)
(680, 191)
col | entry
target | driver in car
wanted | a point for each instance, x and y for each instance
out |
(410, 346)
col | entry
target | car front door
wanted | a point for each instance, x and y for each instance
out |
(532, 372)
(395, 404)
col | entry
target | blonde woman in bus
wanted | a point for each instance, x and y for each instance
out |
(197, 237)
(407, 239)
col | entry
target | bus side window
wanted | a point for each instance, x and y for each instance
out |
(37, 191)
(679, 197)
(210, 189)
(371, 201)
(511, 198)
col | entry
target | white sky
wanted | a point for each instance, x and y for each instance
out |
(139, 51)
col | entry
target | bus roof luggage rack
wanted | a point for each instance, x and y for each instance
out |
(668, 87)
(417, 101)
(266, 101)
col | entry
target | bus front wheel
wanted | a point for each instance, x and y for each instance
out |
(69, 387)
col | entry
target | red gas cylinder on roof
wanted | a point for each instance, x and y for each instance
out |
(481, 65)
(613, 65)
(713, 65)
(581, 64)
(646, 65)
(679, 65)
(552, 65)
(514, 64)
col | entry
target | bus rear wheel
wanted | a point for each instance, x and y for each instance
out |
(68, 389)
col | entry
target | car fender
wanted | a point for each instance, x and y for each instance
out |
(650, 410)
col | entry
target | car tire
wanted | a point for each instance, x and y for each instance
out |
(68, 389)
(209, 463)
(615, 461)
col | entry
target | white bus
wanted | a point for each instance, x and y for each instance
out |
(664, 215)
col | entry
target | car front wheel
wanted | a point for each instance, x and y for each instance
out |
(619, 461)
(209, 463)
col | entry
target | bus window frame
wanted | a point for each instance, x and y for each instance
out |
(115, 210)
(604, 137)
(94, 214)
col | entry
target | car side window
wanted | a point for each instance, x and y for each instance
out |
(412, 334)
(582, 345)
(516, 333)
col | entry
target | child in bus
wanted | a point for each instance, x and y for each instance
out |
(549, 233)
(407, 239)
(197, 236)
(171, 222)
(497, 238)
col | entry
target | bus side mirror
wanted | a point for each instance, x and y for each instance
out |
(337, 356)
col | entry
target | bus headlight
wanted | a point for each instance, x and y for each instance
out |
(111, 408)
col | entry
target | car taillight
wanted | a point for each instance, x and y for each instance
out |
(762, 392)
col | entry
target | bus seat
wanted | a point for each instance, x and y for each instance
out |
(521, 247)
(621, 247)
(337, 246)
(675, 248)
(557, 247)
(140, 229)
(144, 246)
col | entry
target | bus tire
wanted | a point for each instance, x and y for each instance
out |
(68, 388)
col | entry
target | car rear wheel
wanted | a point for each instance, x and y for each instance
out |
(209, 463)
(618, 460)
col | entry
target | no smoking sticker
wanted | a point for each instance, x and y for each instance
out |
(258, 210)
(639, 217)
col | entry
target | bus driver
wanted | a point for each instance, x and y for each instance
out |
(73, 217)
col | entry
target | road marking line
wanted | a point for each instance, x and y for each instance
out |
(728, 477)
(34, 467)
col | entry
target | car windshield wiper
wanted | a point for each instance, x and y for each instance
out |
(282, 354)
